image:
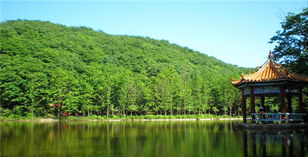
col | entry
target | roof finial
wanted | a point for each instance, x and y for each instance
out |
(270, 55)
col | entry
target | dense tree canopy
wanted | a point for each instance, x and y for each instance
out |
(90, 72)
(292, 42)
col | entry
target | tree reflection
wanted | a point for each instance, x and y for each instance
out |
(147, 139)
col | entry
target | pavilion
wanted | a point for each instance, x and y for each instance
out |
(271, 80)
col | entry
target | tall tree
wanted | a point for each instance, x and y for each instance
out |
(292, 42)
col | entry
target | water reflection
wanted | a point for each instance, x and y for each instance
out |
(284, 143)
(148, 139)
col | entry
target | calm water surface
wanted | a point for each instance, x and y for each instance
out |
(146, 139)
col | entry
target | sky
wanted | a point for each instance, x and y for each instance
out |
(236, 32)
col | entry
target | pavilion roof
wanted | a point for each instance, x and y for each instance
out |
(270, 72)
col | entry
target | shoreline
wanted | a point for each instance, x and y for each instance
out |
(115, 120)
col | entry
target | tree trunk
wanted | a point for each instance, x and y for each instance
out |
(58, 112)
(107, 111)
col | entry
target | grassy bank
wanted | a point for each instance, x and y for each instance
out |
(121, 117)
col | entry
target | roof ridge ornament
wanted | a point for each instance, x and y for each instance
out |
(270, 55)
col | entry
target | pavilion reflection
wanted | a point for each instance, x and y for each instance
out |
(257, 143)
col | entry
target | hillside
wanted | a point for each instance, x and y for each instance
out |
(91, 72)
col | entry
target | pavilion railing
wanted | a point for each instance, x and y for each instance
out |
(279, 117)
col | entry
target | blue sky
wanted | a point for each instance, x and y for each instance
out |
(235, 32)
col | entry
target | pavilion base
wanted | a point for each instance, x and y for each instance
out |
(288, 126)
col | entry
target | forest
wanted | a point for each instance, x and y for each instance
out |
(47, 68)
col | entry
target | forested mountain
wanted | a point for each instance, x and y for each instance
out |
(91, 72)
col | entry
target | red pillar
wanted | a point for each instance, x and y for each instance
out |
(282, 99)
(262, 103)
(243, 106)
(252, 101)
(289, 98)
(300, 102)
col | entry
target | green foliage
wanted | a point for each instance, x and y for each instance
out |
(292, 42)
(90, 73)
(4, 112)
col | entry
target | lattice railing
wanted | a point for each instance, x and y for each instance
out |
(271, 117)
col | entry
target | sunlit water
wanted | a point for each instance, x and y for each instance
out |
(146, 139)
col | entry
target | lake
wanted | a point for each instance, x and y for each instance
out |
(146, 139)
